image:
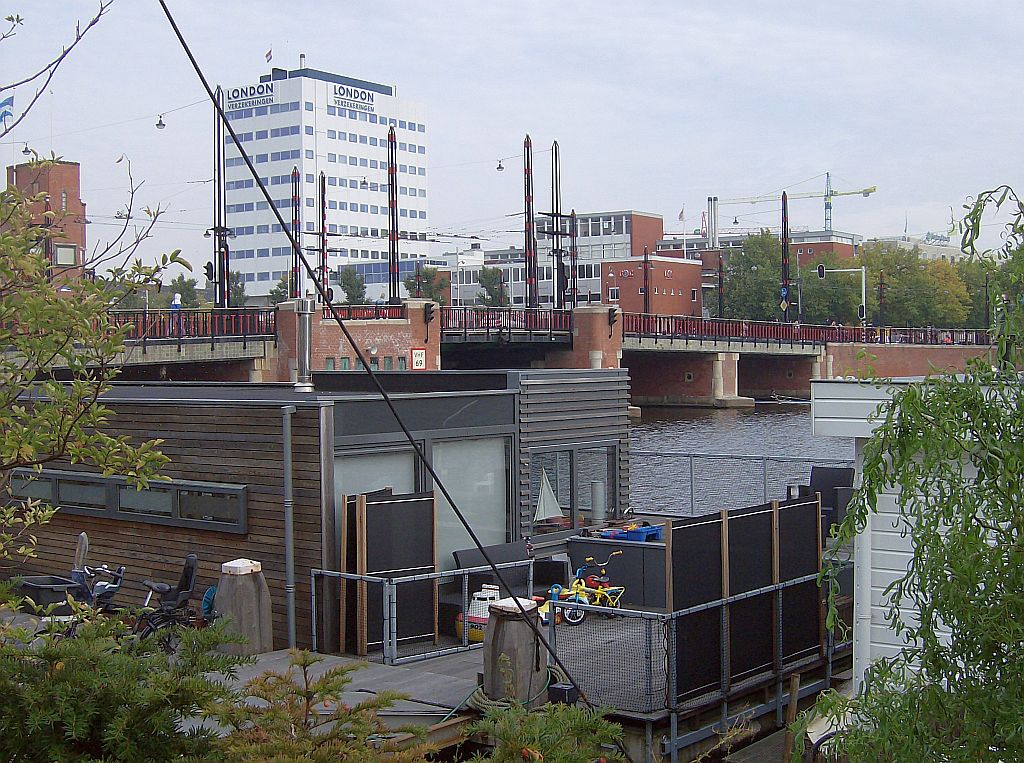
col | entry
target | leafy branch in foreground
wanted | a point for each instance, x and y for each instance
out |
(62, 348)
(951, 450)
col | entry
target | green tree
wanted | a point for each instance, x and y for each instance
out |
(918, 292)
(70, 329)
(432, 284)
(552, 734)
(186, 287)
(236, 290)
(105, 695)
(980, 279)
(351, 282)
(952, 450)
(280, 291)
(491, 282)
(833, 298)
(301, 717)
(752, 279)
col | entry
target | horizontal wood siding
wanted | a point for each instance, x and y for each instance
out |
(216, 444)
(571, 408)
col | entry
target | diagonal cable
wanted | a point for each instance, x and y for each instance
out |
(373, 377)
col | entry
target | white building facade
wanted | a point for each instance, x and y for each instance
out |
(337, 125)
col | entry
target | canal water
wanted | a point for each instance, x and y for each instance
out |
(687, 460)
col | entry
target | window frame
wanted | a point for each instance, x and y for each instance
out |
(113, 484)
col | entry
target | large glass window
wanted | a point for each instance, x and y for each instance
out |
(476, 474)
(364, 473)
(565, 483)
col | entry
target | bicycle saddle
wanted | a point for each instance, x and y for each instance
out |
(157, 588)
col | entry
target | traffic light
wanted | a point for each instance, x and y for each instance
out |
(613, 318)
(821, 270)
(861, 312)
(208, 269)
(428, 312)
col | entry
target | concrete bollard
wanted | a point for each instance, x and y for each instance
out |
(523, 676)
(243, 599)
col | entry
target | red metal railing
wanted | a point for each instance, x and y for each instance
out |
(367, 312)
(718, 329)
(506, 320)
(242, 322)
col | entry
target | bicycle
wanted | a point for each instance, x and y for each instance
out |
(172, 610)
(591, 589)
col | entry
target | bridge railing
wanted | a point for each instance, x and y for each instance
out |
(367, 312)
(719, 329)
(144, 325)
(505, 319)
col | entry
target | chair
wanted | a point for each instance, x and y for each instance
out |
(178, 597)
(826, 480)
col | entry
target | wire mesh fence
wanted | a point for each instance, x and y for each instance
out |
(619, 658)
(691, 484)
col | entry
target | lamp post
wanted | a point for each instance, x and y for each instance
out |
(222, 263)
(647, 282)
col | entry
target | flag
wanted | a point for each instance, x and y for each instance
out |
(7, 108)
(270, 54)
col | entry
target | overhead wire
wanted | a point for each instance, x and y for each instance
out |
(385, 397)
(103, 126)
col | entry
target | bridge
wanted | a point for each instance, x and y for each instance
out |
(673, 360)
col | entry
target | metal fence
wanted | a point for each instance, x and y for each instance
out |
(701, 483)
(489, 323)
(718, 330)
(366, 312)
(233, 322)
(394, 648)
(627, 660)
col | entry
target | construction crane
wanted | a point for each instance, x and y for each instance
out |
(827, 195)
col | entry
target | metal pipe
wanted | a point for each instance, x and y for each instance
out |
(303, 344)
(289, 533)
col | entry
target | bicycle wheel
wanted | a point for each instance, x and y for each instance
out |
(573, 615)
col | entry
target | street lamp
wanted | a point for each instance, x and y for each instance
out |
(222, 260)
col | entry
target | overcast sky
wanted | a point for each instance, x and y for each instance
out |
(655, 105)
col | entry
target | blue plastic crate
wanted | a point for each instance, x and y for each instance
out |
(651, 532)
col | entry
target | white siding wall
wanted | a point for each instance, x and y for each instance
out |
(882, 553)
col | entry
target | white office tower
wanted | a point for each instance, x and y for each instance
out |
(321, 122)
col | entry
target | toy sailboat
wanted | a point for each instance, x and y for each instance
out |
(548, 507)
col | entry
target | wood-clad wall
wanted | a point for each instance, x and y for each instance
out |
(226, 442)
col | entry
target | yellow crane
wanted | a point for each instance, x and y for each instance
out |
(828, 194)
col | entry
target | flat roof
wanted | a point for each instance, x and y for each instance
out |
(337, 79)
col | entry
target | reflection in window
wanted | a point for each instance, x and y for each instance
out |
(208, 506)
(89, 495)
(551, 478)
(595, 471)
(159, 501)
(32, 487)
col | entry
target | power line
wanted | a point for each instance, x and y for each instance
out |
(103, 126)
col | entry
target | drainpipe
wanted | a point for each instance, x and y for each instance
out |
(289, 534)
(303, 344)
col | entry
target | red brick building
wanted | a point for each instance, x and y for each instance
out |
(675, 284)
(61, 182)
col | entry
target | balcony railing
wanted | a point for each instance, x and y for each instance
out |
(717, 330)
(148, 325)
